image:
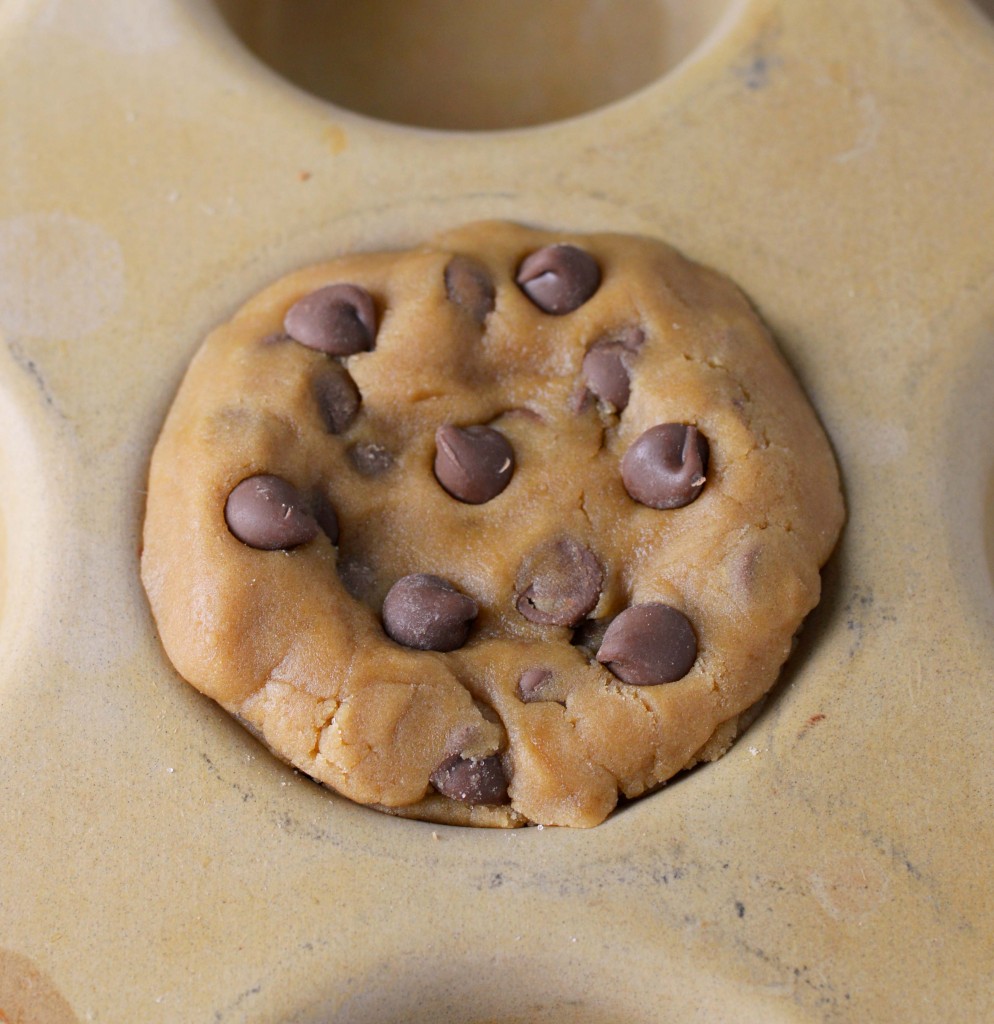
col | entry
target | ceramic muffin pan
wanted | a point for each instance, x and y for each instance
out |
(162, 162)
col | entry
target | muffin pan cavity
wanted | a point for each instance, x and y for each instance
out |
(448, 64)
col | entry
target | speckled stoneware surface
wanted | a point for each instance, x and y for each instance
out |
(834, 157)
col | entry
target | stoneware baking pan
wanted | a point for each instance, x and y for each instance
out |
(163, 160)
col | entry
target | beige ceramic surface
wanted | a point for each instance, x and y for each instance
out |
(835, 158)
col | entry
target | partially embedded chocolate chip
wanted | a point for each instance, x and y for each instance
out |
(559, 278)
(649, 644)
(469, 286)
(337, 397)
(589, 634)
(607, 367)
(558, 583)
(268, 512)
(665, 466)
(370, 459)
(339, 319)
(472, 780)
(606, 375)
(325, 515)
(474, 464)
(532, 684)
(358, 577)
(428, 613)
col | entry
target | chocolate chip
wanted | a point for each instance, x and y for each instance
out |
(268, 513)
(337, 397)
(665, 466)
(471, 780)
(558, 583)
(358, 577)
(606, 375)
(474, 464)
(532, 684)
(559, 278)
(324, 514)
(468, 285)
(589, 634)
(648, 644)
(339, 319)
(370, 459)
(428, 613)
(607, 368)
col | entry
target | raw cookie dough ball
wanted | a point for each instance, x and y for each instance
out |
(491, 531)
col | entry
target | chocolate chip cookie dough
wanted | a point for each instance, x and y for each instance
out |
(494, 530)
